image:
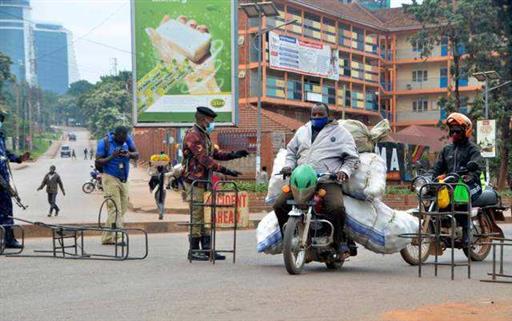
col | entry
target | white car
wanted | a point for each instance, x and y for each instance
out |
(65, 151)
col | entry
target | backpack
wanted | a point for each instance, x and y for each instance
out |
(106, 145)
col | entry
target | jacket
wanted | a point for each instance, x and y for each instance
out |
(52, 184)
(332, 151)
(455, 156)
(199, 155)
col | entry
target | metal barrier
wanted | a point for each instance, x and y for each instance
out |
(3, 246)
(68, 241)
(501, 242)
(431, 216)
(215, 189)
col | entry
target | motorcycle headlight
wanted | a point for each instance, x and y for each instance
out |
(418, 183)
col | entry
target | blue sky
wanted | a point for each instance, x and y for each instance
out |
(106, 22)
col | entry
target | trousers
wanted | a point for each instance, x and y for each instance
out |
(118, 191)
(52, 200)
(197, 211)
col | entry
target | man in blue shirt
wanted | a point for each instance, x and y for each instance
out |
(113, 155)
(6, 192)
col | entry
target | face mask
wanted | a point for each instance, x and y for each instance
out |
(210, 127)
(319, 123)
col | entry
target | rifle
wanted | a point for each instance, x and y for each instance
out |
(12, 191)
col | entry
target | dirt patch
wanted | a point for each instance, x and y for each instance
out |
(486, 310)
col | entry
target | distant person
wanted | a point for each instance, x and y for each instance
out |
(53, 182)
(113, 154)
(262, 176)
(91, 153)
(73, 154)
(85, 153)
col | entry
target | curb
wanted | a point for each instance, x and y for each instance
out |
(35, 231)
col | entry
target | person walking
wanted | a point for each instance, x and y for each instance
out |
(73, 154)
(85, 153)
(52, 182)
(91, 153)
(113, 154)
(199, 162)
(6, 191)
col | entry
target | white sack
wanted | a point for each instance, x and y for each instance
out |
(376, 226)
(368, 181)
(276, 182)
(366, 139)
(268, 235)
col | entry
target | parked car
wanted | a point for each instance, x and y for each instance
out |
(65, 151)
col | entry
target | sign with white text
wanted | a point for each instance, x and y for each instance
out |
(486, 137)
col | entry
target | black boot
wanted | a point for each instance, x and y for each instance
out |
(206, 241)
(194, 245)
(10, 240)
(352, 247)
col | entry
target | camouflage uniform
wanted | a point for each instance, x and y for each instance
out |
(199, 155)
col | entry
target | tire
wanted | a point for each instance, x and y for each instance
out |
(294, 257)
(88, 188)
(334, 266)
(411, 252)
(480, 252)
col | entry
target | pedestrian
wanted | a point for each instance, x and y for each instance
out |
(85, 153)
(113, 154)
(199, 155)
(53, 182)
(91, 153)
(262, 176)
(73, 154)
(6, 192)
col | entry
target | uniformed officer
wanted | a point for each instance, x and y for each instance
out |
(199, 155)
(6, 192)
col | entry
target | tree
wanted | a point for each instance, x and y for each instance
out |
(79, 87)
(483, 29)
(5, 72)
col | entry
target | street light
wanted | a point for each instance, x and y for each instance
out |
(486, 76)
(259, 10)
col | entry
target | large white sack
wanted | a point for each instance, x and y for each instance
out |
(376, 226)
(268, 235)
(276, 182)
(368, 181)
(364, 138)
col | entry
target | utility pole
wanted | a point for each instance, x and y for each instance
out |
(114, 66)
(30, 142)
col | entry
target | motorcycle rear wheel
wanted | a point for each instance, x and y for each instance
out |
(294, 256)
(88, 187)
(479, 252)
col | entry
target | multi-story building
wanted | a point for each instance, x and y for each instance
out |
(16, 38)
(380, 73)
(53, 56)
(41, 53)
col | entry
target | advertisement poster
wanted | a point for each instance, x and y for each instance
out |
(486, 137)
(310, 58)
(401, 159)
(184, 57)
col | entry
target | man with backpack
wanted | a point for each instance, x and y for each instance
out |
(113, 154)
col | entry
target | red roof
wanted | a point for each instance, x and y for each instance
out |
(433, 137)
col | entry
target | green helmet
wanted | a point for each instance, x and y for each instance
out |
(303, 183)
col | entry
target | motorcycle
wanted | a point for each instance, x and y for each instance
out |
(94, 183)
(485, 211)
(307, 235)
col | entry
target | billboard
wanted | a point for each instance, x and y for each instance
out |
(486, 137)
(184, 56)
(400, 159)
(305, 57)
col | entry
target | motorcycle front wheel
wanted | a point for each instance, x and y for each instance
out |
(294, 256)
(410, 254)
(88, 187)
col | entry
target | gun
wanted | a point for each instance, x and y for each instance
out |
(5, 186)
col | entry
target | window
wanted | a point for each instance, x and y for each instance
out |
(294, 87)
(329, 92)
(420, 105)
(443, 81)
(312, 26)
(418, 46)
(329, 30)
(293, 13)
(344, 35)
(419, 75)
(279, 20)
(444, 46)
(275, 84)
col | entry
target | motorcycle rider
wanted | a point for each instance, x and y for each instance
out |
(327, 147)
(6, 192)
(459, 153)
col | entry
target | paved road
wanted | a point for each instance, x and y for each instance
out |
(73, 173)
(257, 287)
